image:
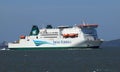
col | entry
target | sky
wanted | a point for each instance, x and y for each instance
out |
(18, 16)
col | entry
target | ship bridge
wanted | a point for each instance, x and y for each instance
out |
(89, 30)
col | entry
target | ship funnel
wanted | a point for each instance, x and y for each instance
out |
(34, 30)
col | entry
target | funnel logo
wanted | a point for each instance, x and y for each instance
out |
(38, 42)
(34, 32)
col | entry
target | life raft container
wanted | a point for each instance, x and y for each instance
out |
(22, 37)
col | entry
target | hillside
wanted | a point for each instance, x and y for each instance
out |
(112, 43)
(3, 44)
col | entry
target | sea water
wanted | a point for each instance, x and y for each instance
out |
(81, 60)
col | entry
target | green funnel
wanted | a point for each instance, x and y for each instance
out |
(34, 31)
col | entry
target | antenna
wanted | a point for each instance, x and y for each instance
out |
(83, 22)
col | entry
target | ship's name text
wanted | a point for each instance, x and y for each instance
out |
(62, 42)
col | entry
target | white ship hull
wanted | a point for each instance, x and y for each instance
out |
(56, 43)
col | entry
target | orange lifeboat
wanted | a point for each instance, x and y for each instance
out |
(22, 37)
(65, 35)
(73, 35)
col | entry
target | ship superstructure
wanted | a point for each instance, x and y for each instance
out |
(61, 37)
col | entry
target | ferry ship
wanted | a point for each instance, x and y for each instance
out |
(61, 37)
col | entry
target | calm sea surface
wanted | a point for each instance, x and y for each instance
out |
(83, 60)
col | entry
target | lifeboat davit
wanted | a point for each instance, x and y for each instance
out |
(76, 35)
(22, 37)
